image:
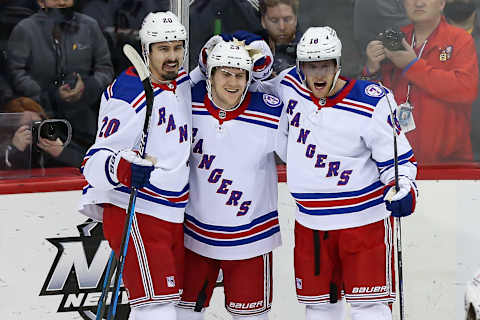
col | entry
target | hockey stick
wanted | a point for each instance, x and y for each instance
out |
(144, 74)
(397, 220)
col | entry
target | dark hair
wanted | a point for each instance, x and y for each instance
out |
(265, 4)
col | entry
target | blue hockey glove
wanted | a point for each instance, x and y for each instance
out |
(128, 168)
(246, 36)
(401, 203)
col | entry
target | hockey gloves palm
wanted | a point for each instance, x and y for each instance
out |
(259, 51)
(128, 168)
(401, 203)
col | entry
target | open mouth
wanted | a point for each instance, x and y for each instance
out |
(170, 66)
(232, 91)
(320, 85)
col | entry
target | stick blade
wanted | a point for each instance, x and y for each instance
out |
(137, 61)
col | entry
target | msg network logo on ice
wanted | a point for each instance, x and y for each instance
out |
(78, 271)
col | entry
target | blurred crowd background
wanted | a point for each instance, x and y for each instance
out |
(56, 63)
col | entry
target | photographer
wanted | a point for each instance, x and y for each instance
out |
(280, 31)
(18, 140)
(60, 59)
(434, 77)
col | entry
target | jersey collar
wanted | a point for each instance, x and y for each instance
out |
(170, 86)
(224, 115)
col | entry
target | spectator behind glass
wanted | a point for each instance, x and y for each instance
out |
(338, 15)
(370, 17)
(437, 75)
(280, 31)
(11, 12)
(211, 17)
(15, 150)
(120, 21)
(60, 59)
(464, 14)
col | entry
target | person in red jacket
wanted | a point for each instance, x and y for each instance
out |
(436, 75)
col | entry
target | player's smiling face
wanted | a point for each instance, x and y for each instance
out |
(228, 85)
(319, 76)
(166, 58)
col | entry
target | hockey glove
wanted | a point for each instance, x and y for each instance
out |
(259, 51)
(401, 203)
(128, 168)
(242, 35)
(202, 57)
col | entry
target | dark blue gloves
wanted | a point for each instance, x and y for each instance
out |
(128, 168)
(401, 203)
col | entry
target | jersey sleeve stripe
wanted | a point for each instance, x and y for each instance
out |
(143, 101)
(167, 192)
(90, 153)
(148, 197)
(406, 156)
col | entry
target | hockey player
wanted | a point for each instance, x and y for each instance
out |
(231, 220)
(339, 135)
(154, 262)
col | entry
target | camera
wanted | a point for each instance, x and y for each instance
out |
(51, 129)
(392, 39)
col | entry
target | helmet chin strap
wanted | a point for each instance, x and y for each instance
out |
(332, 88)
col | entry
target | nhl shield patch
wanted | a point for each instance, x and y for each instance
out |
(299, 283)
(374, 90)
(171, 281)
(271, 101)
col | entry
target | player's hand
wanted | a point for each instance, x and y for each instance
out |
(22, 138)
(401, 58)
(205, 51)
(128, 168)
(375, 55)
(262, 59)
(54, 148)
(401, 203)
(246, 36)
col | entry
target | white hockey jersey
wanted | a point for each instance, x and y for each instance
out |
(339, 154)
(120, 124)
(232, 212)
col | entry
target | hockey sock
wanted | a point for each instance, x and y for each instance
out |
(188, 314)
(371, 311)
(263, 316)
(325, 311)
(154, 312)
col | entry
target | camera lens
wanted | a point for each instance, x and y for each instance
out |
(48, 131)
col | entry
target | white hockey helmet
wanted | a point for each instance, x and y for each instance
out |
(319, 44)
(160, 27)
(229, 54)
